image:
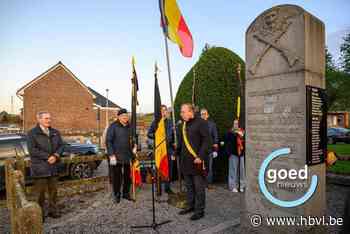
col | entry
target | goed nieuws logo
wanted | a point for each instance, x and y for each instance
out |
(283, 174)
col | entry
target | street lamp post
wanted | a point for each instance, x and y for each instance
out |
(107, 107)
(99, 126)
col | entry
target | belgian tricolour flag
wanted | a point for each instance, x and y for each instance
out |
(175, 27)
(160, 142)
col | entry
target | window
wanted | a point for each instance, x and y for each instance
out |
(331, 132)
(25, 147)
(343, 130)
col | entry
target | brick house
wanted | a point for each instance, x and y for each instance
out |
(338, 119)
(74, 106)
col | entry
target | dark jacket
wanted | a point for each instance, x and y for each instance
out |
(213, 132)
(231, 143)
(198, 136)
(40, 147)
(118, 142)
(169, 134)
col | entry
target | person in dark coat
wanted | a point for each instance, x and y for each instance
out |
(170, 143)
(45, 146)
(213, 132)
(193, 159)
(120, 152)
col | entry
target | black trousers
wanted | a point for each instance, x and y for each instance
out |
(195, 186)
(120, 174)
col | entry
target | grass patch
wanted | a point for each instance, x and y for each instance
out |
(340, 149)
(340, 167)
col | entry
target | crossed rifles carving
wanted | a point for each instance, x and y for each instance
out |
(273, 43)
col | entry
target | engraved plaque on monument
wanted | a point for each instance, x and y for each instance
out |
(316, 125)
(285, 53)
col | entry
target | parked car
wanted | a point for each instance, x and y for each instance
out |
(335, 135)
(82, 170)
(13, 145)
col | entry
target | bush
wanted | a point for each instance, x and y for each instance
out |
(216, 86)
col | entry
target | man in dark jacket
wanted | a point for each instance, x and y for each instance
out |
(120, 152)
(213, 132)
(193, 148)
(170, 143)
(45, 146)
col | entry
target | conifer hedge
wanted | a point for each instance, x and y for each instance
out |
(216, 86)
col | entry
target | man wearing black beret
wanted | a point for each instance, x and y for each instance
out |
(120, 151)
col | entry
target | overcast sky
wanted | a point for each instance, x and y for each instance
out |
(96, 40)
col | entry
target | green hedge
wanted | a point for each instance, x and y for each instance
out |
(217, 86)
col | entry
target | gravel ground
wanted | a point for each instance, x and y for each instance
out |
(96, 213)
(103, 216)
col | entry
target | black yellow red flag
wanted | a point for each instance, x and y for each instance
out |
(160, 142)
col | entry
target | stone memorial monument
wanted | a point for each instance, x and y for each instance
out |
(285, 120)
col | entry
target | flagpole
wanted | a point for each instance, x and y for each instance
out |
(159, 190)
(239, 125)
(194, 87)
(173, 110)
(170, 82)
(133, 123)
(171, 95)
(240, 93)
(133, 181)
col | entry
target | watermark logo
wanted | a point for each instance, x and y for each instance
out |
(273, 175)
